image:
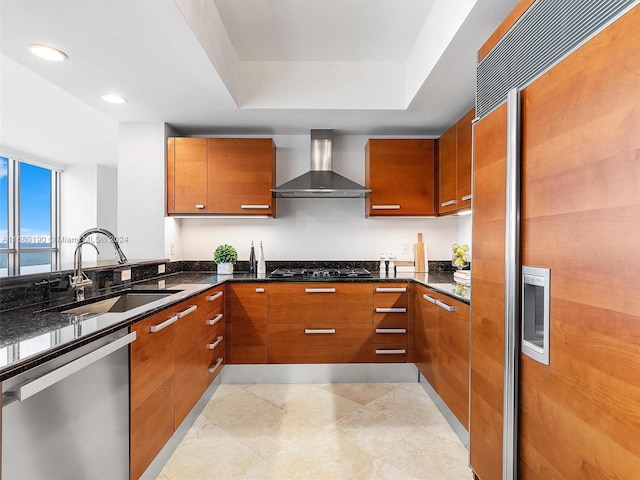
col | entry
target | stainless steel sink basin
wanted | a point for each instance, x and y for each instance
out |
(121, 303)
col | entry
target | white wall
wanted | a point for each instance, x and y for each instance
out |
(88, 195)
(311, 229)
(305, 229)
(141, 197)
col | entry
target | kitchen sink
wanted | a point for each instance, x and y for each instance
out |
(121, 303)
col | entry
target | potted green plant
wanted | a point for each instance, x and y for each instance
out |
(225, 256)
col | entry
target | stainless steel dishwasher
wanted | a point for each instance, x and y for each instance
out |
(69, 418)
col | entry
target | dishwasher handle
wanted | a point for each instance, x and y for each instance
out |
(36, 386)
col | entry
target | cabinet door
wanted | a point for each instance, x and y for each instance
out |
(453, 356)
(246, 323)
(186, 175)
(464, 133)
(427, 337)
(447, 160)
(401, 176)
(187, 364)
(487, 277)
(152, 389)
(241, 175)
(320, 303)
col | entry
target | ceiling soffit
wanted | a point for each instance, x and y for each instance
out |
(324, 54)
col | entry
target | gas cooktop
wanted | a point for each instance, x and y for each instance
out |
(319, 273)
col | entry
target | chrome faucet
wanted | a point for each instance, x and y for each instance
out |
(79, 279)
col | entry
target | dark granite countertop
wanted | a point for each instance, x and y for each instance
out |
(40, 332)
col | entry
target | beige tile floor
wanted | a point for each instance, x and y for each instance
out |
(330, 431)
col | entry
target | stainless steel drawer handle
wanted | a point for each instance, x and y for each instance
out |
(213, 345)
(165, 324)
(391, 289)
(447, 203)
(467, 197)
(189, 310)
(255, 207)
(391, 310)
(199, 207)
(428, 298)
(391, 330)
(320, 290)
(215, 296)
(314, 331)
(448, 308)
(259, 290)
(215, 319)
(385, 207)
(399, 351)
(48, 379)
(215, 367)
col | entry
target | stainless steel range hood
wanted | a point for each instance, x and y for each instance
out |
(321, 181)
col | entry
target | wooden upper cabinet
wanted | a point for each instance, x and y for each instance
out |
(241, 176)
(228, 176)
(402, 178)
(464, 130)
(186, 175)
(448, 145)
(455, 166)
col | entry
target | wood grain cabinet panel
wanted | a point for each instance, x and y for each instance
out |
(319, 343)
(336, 303)
(152, 377)
(212, 330)
(402, 178)
(487, 278)
(241, 175)
(167, 372)
(392, 335)
(442, 348)
(246, 322)
(455, 166)
(221, 176)
(186, 175)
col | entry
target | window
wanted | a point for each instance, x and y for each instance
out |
(29, 218)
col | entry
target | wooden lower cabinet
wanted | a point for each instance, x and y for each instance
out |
(319, 322)
(319, 343)
(391, 322)
(212, 347)
(246, 322)
(442, 348)
(169, 372)
(152, 380)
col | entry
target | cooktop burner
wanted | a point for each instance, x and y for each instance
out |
(319, 273)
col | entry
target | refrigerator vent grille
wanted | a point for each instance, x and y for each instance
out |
(546, 32)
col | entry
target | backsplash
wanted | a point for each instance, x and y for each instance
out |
(25, 290)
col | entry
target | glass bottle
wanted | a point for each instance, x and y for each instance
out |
(252, 260)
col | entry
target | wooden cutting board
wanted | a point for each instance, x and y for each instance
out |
(419, 255)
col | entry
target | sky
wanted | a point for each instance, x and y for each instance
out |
(35, 203)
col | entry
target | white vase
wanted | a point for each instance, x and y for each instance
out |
(225, 268)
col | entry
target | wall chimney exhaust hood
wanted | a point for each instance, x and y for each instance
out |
(321, 181)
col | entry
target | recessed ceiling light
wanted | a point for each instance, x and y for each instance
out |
(48, 53)
(113, 98)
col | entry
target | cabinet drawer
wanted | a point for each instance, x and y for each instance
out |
(213, 355)
(391, 353)
(391, 295)
(319, 343)
(211, 302)
(385, 335)
(335, 303)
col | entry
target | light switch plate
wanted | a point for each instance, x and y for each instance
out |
(125, 275)
(161, 268)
